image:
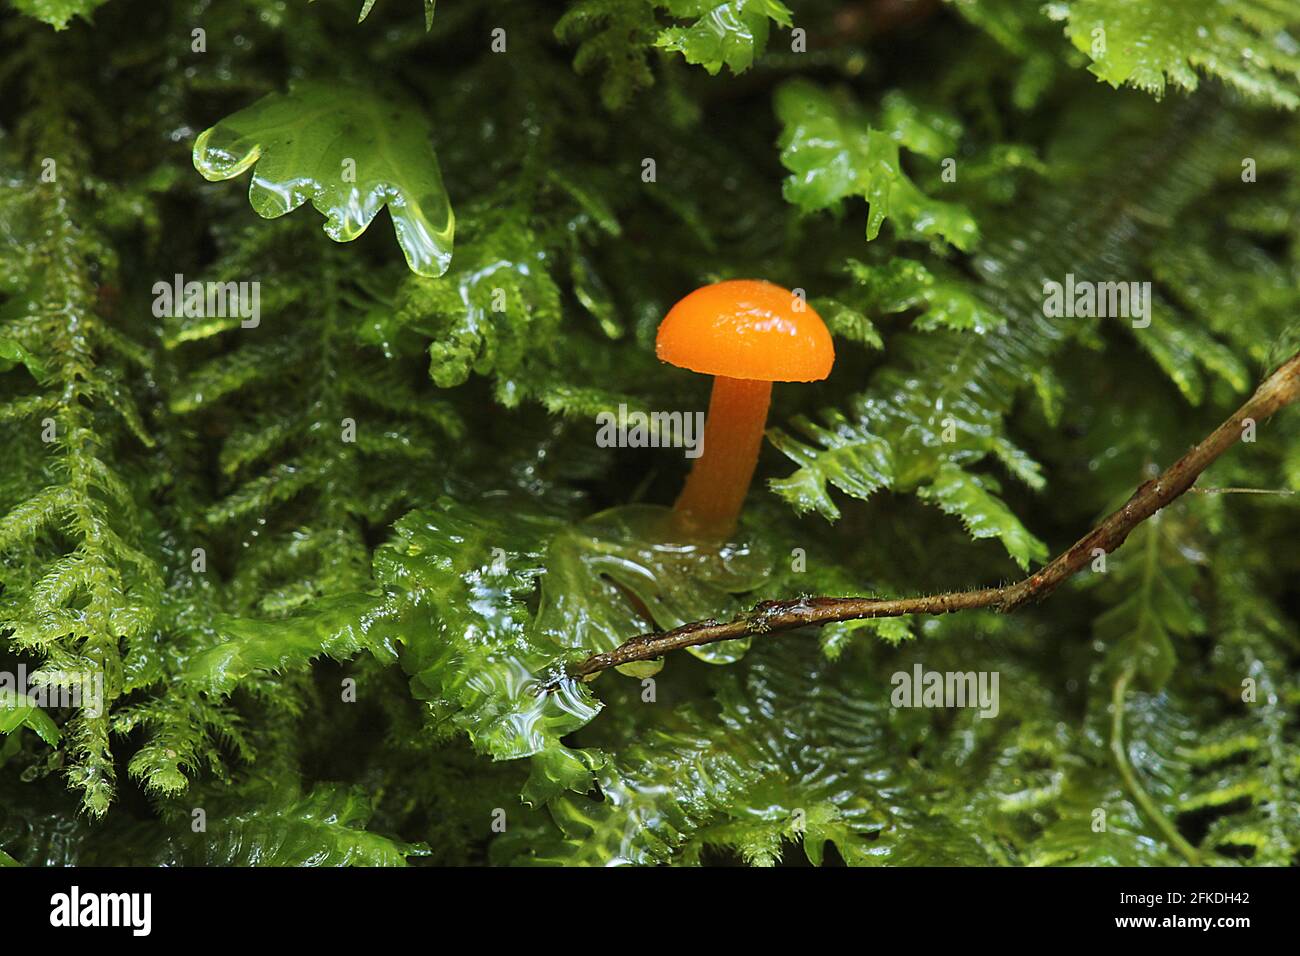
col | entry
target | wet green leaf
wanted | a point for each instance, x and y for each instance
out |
(730, 33)
(458, 577)
(628, 570)
(58, 13)
(350, 153)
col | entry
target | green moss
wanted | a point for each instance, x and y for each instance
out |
(328, 561)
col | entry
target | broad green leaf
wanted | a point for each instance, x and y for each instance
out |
(349, 151)
(558, 769)
(58, 13)
(729, 33)
(458, 577)
(833, 151)
(627, 571)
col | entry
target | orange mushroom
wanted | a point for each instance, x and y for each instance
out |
(748, 334)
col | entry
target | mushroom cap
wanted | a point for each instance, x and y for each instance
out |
(748, 329)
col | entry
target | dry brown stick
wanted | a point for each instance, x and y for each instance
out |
(1280, 389)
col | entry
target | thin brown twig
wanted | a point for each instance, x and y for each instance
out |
(1280, 389)
(1242, 491)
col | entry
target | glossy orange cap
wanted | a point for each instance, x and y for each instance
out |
(748, 329)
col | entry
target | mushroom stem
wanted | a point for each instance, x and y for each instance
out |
(733, 433)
